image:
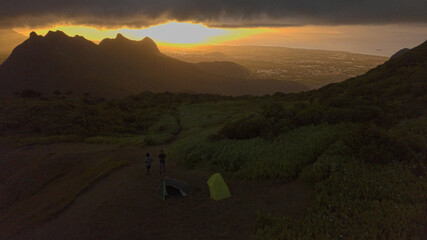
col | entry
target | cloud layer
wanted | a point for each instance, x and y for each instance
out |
(224, 13)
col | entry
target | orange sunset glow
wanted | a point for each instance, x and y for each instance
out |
(371, 39)
(179, 34)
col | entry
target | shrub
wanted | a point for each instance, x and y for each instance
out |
(309, 116)
(377, 145)
(245, 128)
(272, 109)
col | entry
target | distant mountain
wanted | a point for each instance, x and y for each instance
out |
(400, 52)
(119, 67)
(229, 69)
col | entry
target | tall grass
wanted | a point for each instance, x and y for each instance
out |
(256, 158)
(357, 201)
(354, 199)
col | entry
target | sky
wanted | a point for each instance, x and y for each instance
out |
(378, 27)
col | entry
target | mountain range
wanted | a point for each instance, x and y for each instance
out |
(121, 67)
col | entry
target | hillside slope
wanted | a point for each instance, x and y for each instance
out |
(394, 90)
(227, 69)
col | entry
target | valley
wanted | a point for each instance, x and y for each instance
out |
(314, 68)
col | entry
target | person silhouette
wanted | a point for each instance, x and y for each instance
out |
(148, 161)
(162, 157)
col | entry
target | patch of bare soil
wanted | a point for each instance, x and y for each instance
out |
(122, 205)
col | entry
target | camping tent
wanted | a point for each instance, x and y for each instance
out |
(218, 188)
(172, 187)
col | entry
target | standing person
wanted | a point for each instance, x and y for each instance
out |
(148, 161)
(162, 158)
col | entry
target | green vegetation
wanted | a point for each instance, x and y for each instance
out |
(361, 145)
(144, 119)
(256, 158)
(366, 186)
(354, 200)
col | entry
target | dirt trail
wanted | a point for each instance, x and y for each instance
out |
(122, 205)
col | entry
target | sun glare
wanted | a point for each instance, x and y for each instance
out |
(172, 33)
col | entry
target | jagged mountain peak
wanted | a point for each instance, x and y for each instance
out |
(33, 35)
(119, 36)
(121, 43)
(150, 44)
(56, 34)
(147, 40)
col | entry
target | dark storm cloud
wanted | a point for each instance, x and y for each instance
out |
(228, 13)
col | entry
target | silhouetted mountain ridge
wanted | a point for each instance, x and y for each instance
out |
(120, 43)
(117, 67)
(224, 68)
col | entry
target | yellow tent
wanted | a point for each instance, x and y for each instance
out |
(218, 188)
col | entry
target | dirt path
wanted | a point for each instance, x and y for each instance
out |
(122, 205)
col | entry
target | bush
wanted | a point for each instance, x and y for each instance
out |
(272, 109)
(327, 163)
(309, 116)
(377, 145)
(245, 128)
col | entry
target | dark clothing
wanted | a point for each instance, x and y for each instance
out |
(162, 158)
(148, 161)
